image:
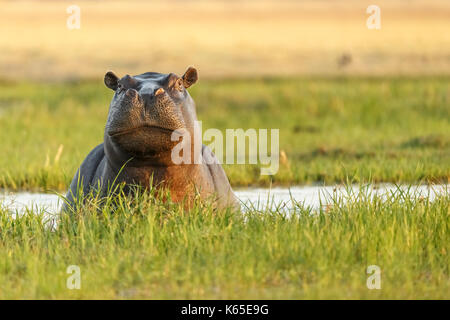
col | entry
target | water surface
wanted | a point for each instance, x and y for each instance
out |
(254, 198)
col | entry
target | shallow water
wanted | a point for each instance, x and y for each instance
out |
(254, 198)
(39, 202)
(317, 196)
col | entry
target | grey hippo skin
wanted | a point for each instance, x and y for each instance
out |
(144, 113)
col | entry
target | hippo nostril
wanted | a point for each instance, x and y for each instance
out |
(131, 93)
(159, 91)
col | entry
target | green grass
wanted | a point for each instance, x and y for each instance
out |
(391, 130)
(153, 250)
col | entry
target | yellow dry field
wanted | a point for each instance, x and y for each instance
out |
(223, 39)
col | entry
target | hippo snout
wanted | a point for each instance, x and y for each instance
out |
(151, 95)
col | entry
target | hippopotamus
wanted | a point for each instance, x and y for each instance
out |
(138, 143)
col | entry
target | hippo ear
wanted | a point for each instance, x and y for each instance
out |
(111, 80)
(190, 77)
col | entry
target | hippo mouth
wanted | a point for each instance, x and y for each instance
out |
(116, 133)
(144, 141)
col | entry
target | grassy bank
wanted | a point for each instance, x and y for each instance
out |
(393, 130)
(148, 249)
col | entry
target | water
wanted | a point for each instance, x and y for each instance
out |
(316, 196)
(21, 202)
(255, 198)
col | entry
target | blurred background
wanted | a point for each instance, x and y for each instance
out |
(350, 102)
(223, 38)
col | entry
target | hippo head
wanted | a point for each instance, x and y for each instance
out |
(143, 114)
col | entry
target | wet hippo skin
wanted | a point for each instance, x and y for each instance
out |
(137, 149)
